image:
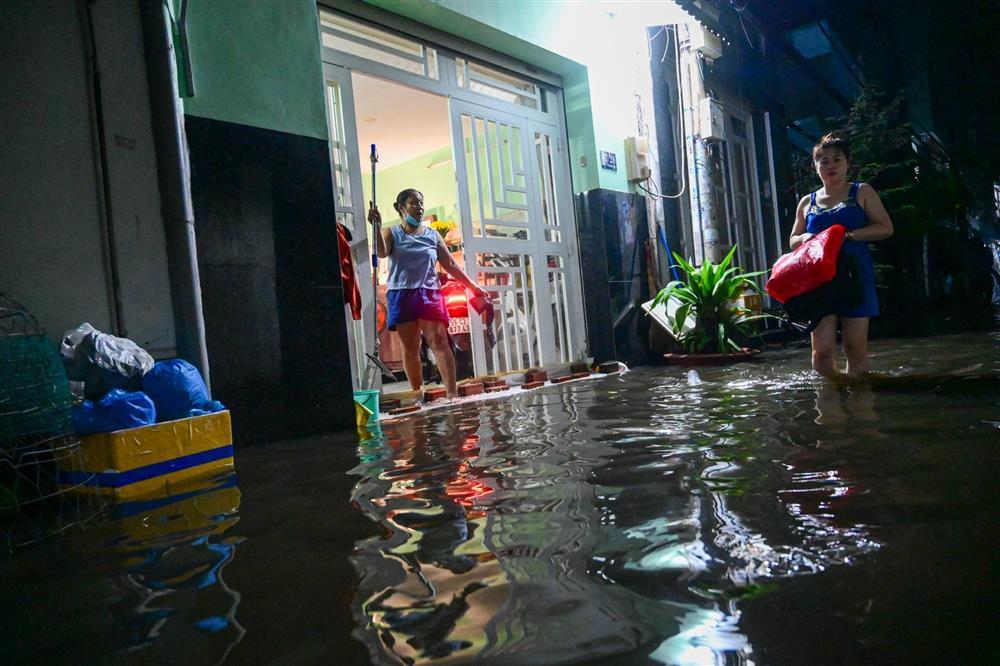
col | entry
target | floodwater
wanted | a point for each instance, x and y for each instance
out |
(747, 514)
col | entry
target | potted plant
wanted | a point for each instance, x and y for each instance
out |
(704, 313)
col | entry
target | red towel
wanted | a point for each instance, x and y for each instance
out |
(347, 275)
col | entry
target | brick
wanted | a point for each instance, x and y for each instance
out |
(609, 367)
(580, 375)
(560, 380)
(434, 394)
(406, 410)
(389, 405)
(532, 385)
(495, 389)
(471, 389)
(579, 366)
(535, 376)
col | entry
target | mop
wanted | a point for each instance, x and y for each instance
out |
(375, 365)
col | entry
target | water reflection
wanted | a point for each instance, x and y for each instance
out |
(173, 554)
(426, 588)
(628, 517)
(144, 583)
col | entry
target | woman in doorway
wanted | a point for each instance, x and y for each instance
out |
(859, 209)
(416, 305)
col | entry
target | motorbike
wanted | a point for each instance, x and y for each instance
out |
(457, 303)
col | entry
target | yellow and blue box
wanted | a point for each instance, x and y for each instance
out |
(152, 461)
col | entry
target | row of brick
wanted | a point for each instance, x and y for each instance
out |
(533, 378)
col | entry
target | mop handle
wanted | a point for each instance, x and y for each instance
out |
(377, 230)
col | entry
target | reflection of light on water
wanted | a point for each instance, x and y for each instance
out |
(706, 637)
(645, 515)
(174, 548)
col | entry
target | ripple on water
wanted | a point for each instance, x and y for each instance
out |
(642, 508)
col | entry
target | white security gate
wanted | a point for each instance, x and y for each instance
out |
(516, 235)
(514, 193)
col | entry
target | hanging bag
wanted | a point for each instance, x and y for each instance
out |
(809, 266)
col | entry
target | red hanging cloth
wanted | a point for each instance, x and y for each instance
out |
(347, 275)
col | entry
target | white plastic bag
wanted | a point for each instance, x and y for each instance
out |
(102, 360)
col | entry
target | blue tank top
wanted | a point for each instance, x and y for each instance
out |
(413, 259)
(850, 214)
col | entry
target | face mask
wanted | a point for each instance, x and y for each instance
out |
(409, 219)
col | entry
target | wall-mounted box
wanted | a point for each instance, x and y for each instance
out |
(711, 120)
(706, 43)
(637, 159)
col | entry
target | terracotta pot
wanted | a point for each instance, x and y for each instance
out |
(743, 354)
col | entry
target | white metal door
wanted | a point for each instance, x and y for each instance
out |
(517, 233)
(515, 198)
(351, 212)
(744, 211)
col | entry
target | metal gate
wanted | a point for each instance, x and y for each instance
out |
(516, 235)
(514, 192)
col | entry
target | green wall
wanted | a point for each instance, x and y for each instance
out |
(523, 32)
(437, 185)
(257, 62)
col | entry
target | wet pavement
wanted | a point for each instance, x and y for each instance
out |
(747, 514)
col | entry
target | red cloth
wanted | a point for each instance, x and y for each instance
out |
(812, 264)
(347, 275)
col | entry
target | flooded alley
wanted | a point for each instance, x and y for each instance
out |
(746, 514)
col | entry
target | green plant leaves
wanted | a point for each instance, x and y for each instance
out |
(708, 293)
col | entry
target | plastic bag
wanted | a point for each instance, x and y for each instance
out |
(102, 361)
(810, 265)
(178, 391)
(841, 293)
(117, 410)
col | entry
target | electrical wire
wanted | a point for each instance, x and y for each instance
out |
(739, 13)
(657, 195)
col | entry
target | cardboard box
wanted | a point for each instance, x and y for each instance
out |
(152, 461)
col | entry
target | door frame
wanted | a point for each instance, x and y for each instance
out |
(550, 120)
(736, 107)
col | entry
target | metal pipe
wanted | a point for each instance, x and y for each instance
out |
(104, 193)
(173, 173)
(774, 186)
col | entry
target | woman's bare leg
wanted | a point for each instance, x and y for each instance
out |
(856, 344)
(409, 338)
(436, 335)
(824, 347)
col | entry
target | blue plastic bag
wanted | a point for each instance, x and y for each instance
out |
(117, 410)
(178, 391)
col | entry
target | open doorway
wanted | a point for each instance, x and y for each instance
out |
(411, 129)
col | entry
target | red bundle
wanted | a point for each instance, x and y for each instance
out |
(812, 264)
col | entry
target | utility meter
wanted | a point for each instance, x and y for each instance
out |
(637, 159)
(711, 120)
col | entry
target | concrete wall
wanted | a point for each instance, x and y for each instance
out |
(257, 64)
(53, 250)
(51, 255)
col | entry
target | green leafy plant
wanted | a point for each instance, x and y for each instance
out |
(709, 297)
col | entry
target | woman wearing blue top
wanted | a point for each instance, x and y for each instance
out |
(416, 305)
(859, 209)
